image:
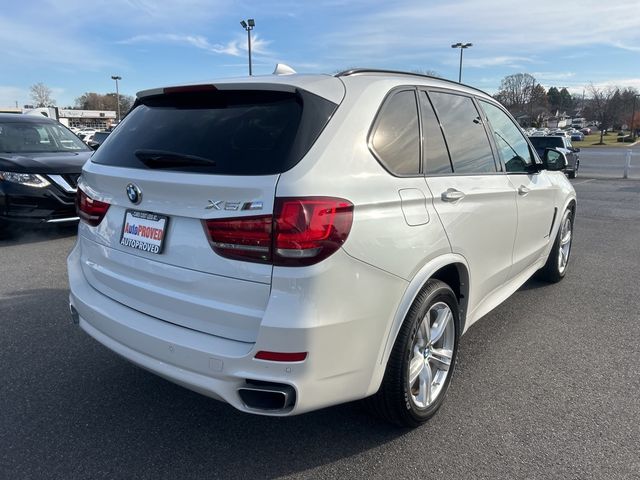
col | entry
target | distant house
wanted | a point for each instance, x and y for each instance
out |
(558, 120)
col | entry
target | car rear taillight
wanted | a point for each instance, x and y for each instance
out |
(302, 231)
(247, 238)
(90, 210)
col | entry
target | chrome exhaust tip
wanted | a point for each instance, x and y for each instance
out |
(75, 316)
(267, 396)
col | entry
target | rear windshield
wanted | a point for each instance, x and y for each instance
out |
(547, 142)
(33, 137)
(229, 132)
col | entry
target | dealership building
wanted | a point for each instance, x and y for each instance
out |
(97, 119)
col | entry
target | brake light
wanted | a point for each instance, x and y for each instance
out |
(190, 89)
(302, 231)
(90, 210)
(247, 238)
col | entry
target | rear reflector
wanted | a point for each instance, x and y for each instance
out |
(89, 210)
(281, 356)
(302, 231)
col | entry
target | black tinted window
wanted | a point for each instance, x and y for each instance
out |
(435, 150)
(546, 142)
(396, 136)
(467, 140)
(226, 132)
(512, 146)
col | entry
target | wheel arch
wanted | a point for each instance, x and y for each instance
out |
(451, 269)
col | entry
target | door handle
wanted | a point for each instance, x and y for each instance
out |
(452, 195)
(522, 190)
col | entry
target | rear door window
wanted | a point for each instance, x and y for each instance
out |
(226, 132)
(464, 130)
(436, 155)
(396, 135)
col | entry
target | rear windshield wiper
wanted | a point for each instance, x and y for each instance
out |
(167, 159)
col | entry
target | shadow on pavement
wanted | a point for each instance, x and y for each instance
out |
(21, 235)
(90, 414)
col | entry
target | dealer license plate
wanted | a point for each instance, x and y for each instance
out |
(144, 231)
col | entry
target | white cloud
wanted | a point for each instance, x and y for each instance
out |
(495, 61)
(234, 47)
(501, 28)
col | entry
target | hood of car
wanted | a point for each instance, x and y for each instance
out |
(44, 162)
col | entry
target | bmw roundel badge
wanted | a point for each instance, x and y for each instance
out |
(134, 193)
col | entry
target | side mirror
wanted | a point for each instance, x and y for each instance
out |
(554, 160)
(576, 150)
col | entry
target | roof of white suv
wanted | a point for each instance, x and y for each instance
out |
(331, 87)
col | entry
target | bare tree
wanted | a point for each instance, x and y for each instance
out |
(97, 101)
(603, 106)
(41, 95)
(516, 91)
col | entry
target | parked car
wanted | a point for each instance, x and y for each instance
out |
(586, 131)
(40, 162)
(287, 243)
(97, 139)
(577, 137)
(563, 144)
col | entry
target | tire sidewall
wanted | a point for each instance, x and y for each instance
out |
(557, 246)
(442, 293)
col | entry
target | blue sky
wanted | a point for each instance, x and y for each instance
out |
(74, 46)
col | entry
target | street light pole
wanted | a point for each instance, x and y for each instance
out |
(461, 46)
(248, 26)
(116, 78)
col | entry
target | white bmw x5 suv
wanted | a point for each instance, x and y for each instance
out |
(289, 242)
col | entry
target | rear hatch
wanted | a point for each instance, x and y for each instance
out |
(183, 156)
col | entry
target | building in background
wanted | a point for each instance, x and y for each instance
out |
(97, 119)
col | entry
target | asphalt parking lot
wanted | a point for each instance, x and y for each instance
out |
(547, 385)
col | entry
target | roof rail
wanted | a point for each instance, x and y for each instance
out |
(355, 71)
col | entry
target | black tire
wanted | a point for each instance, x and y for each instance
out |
(551, 272)
(393, 402)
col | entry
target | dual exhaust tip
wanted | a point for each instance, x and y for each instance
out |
(267, 397)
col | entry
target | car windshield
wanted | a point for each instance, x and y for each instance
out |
(100, 136)
(31, 137)
(547, 142)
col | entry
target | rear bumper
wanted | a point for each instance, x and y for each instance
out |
(343, 352)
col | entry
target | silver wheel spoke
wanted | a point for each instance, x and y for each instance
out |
(566, 238)
(440, 325)
(441, 358)
(423, 331)
(415, 368)
(424, 393)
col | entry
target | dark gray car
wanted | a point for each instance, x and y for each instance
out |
(562, 144)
